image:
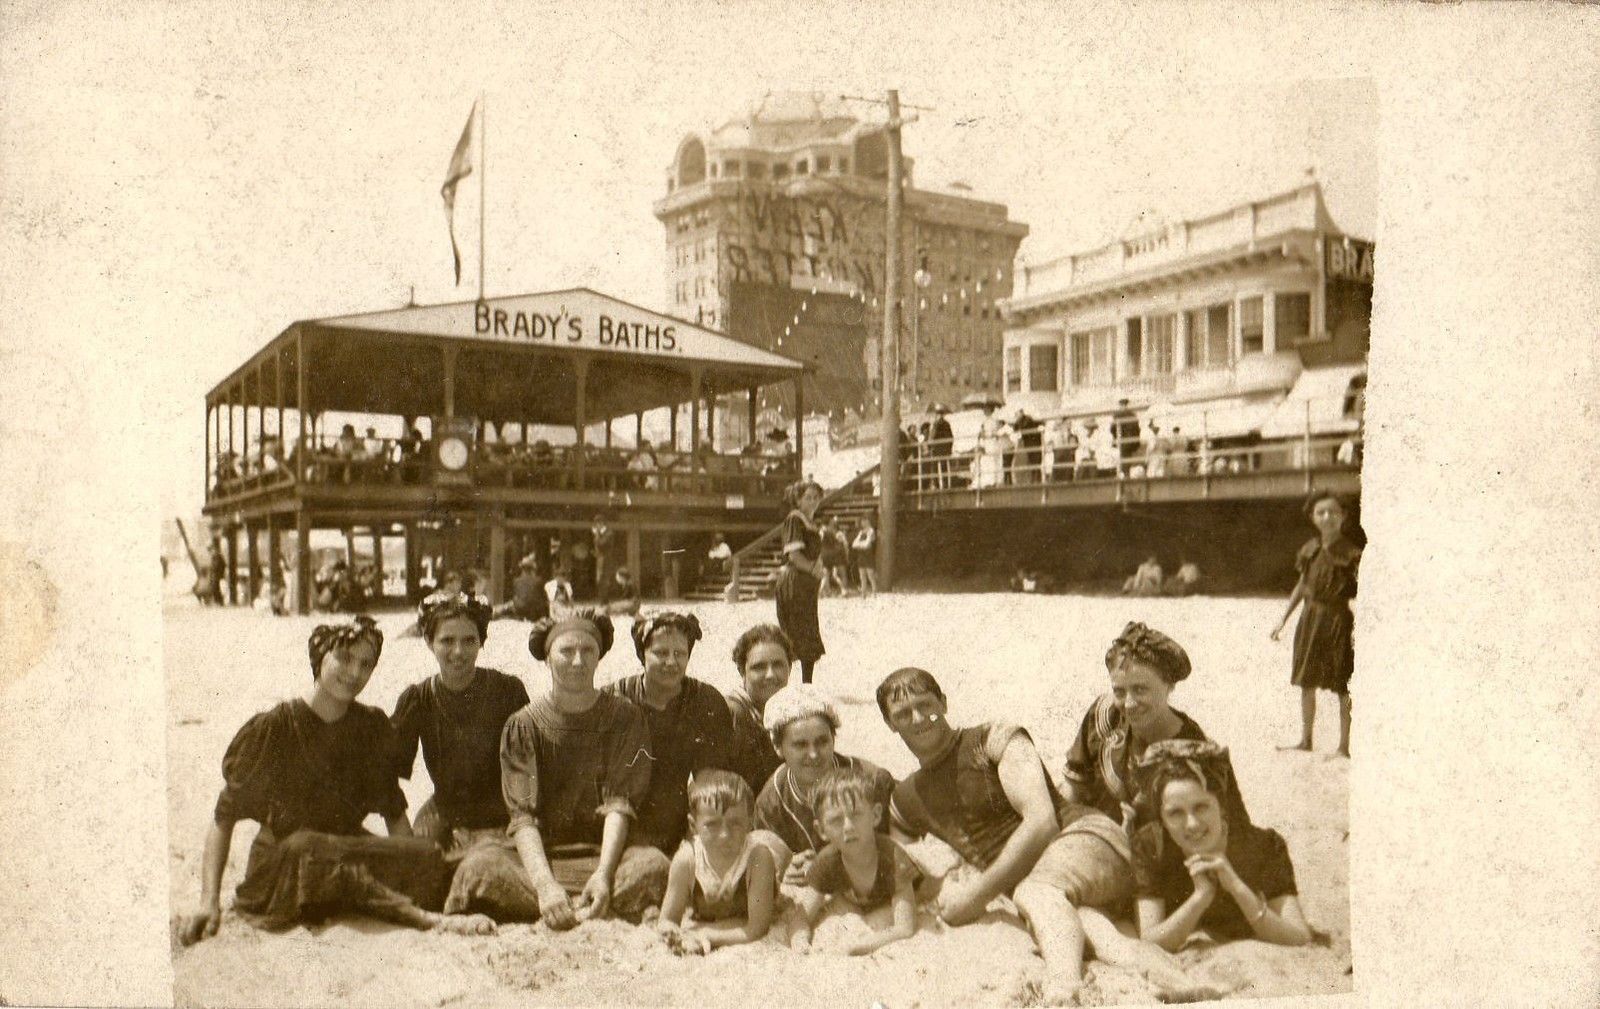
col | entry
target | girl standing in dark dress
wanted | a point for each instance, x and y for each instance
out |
(801, 576)
(309, 771)
(456, 717)
(1324, 655)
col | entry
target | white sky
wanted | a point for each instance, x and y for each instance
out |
(240, 169)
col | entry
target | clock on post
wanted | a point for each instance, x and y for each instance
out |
(454, 442)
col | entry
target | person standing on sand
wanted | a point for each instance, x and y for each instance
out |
(1202, 865)
(309, 771)
(764, 657)
(456, 717)
(688, 721)
(1144, 666)
(1324, 653)
(574, 766)
(802, 576)
(984, 791)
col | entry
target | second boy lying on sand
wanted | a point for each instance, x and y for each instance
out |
(861, 867)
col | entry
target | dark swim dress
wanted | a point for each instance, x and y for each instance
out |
(1324, 655)
(797, 590)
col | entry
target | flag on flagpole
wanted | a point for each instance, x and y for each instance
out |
(460, 168)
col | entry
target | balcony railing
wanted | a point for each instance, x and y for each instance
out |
(539, 466)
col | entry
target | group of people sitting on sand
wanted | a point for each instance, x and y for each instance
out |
(712, 818)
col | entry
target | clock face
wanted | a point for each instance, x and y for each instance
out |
(452, 453)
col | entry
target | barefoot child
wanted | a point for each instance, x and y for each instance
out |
(724, 872)
(863, 868)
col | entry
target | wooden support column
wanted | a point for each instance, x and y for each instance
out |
(210, 430)
(252, 559)
(638, 430)
(412, 587)
(274, 553)
(799, 425)
(752, 438)
(350, 548)
(378, 529)
(449, 383)
(608, 432)
(277, 379)
(635, 567)
(302, 558)
(694, 411)
(581, 418)
(711, 421)
(301, 407)
(233, 565)
(672, 427)
(497, 558)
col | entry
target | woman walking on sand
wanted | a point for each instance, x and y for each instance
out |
(1324, 655)
(801, 576)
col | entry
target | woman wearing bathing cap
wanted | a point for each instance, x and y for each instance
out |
(804, 724)
(309, 771)
(690, 727)
(574, 766)
(1144, 666)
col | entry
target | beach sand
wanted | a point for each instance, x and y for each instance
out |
(1035, 660)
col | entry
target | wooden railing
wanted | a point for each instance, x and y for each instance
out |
(761, 542)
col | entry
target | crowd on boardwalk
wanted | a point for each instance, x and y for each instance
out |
(714, 818)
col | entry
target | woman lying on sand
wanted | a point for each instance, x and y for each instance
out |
(1203, 866)
(456, 717)
(309, 771)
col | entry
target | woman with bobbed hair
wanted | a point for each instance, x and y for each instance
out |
(309, 771)
(764, 656)
(802, 575)
(804, 725)
(688, 722)
(1144, 665)
(574, 767)
(456, 717)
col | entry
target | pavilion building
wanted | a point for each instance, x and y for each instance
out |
(509, 424)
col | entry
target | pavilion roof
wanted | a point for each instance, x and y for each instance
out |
(517, 358)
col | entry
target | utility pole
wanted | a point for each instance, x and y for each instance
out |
(889, 371)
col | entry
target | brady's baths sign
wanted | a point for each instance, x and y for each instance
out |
(1349, 259)
(576, 320)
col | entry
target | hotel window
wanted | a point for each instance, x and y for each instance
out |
(1291, 319)
(1043, 361)
(802, 167)
(1252, 333)
(780, 171)
(758, 170)
(823, 163)
(844, 166)
(1091, 356)
(1013, 369)
(732, 169)
(1158, 349)
(1135, 346)
(1218, 342)
(1194, 337)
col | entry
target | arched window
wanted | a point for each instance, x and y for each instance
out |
(691, 162)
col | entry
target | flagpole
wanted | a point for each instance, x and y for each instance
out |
(483, 168)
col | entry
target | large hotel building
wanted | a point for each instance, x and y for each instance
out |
(775, 225)
(1258, 317)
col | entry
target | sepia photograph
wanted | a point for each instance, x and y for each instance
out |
(654, 514)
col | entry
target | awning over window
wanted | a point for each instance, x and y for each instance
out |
(1216, 418)
(1320, 397)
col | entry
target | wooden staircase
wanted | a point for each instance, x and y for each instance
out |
(755, 567)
